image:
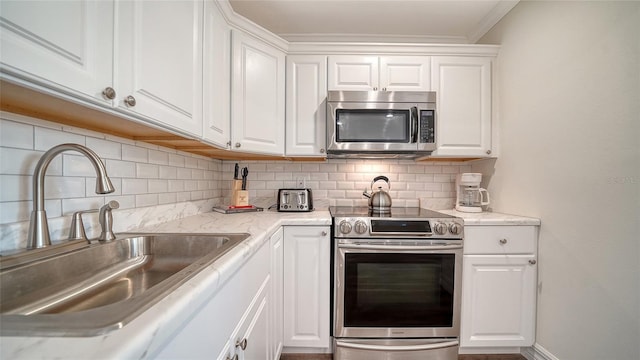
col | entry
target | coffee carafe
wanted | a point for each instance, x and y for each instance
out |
(470, 197)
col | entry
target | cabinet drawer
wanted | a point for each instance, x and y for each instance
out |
(500, 239)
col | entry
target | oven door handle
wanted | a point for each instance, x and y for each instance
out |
(398, 247)
(397, 347)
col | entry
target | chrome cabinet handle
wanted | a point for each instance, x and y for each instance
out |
(109, 93)
(242, 344)
(503, 241)
(130, 101)
(533, 261)
(238, 144)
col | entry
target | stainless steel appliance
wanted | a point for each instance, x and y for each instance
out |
(396, 284)
(379, 124)
(379, 200)
(295, 200)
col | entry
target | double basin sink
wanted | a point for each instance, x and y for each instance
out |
(99, 288)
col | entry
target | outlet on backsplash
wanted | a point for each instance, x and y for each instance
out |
(301, 182)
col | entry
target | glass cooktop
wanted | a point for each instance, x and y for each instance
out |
(396, 212)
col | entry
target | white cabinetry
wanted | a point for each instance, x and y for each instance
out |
(306, 105)
(463, 93)
(65, 45)
(386, 73)
(216, 77)
(159, 67)
(306, 286)
(499, 286)
(277, 293)
(238, 311)
(257, 95)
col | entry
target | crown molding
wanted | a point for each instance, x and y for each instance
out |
(375, 38)
(331, 48)
(492, 18)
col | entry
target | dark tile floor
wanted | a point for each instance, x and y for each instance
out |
(460, 357)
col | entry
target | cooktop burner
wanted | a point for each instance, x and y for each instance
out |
(396, 212)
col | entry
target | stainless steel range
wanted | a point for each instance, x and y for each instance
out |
(396, 284)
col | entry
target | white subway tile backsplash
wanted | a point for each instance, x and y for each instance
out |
(191, 163)
(176, 160)
(146, 200)
(104, 148)
(167, 172)
(167, 198)
(159, 186)
(59, 187)
(134, 153)
(45, 139)
(14, 211)
(125, 201)
(15, 188)
(76, 165)
(117, 168)
(134, 186)
(23, 162)
(15, 134)
(69, 206)
(147, 171)
(158, 157)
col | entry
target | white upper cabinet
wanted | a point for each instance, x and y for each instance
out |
(385, 73)
(159, 62)
(306, 105)
(217, 77)
(67, 45)
(257, 96)
(463, 95)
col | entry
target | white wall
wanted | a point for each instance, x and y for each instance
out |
(569, 83)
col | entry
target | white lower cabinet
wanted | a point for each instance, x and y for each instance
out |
(306, 286)
(499, 286)
(239, 311)
(277, 293)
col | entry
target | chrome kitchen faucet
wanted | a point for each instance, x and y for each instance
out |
(38, 227)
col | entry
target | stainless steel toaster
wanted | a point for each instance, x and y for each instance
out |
(295, 200)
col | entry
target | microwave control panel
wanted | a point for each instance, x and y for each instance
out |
(427, 126)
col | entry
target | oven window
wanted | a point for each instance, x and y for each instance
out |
(373, 125)
(398, 290)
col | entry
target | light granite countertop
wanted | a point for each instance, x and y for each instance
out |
(492, 218)
(146, 335)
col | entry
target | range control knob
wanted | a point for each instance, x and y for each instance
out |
(361, 227)
(440, 228)
(345, 227)
(455, 228)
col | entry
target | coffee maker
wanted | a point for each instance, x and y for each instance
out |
(469, 196)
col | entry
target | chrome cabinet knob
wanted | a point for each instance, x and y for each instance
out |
(130, 101)
(109, 93)
(375, 88)
(361, 227)
(321, 151)
(234, 357)
(238, 144)
(503, 241)
(384, 89)
(345, 227)
(324, 233)
(488, 152)
(533, 261)
(242, 344)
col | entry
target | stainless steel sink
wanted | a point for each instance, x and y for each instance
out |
(101, 287)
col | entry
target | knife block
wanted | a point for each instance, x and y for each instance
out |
(239, 197)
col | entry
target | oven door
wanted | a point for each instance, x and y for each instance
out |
(397, 291)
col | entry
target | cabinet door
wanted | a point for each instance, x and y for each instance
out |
(159, 62)
(257, 96)
(67, 45)
(217, 77)
(463, 93)
(353, 72)
(498, 300)
(405, 73)
(306, 105)
(306, 286)
(253, 342)
(277, 293)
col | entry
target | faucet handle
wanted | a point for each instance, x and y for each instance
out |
(77, 232)
(106, 221)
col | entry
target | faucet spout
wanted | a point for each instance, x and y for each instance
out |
(38, 227)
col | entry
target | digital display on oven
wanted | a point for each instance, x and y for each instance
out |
(400, 226)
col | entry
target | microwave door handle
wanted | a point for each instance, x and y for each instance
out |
(414, 124)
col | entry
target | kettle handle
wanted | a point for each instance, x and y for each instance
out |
(381, 177)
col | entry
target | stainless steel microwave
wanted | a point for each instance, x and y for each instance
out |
(381, 124)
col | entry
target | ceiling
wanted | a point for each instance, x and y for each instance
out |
(425, 21)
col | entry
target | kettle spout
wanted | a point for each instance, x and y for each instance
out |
(366, 194)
